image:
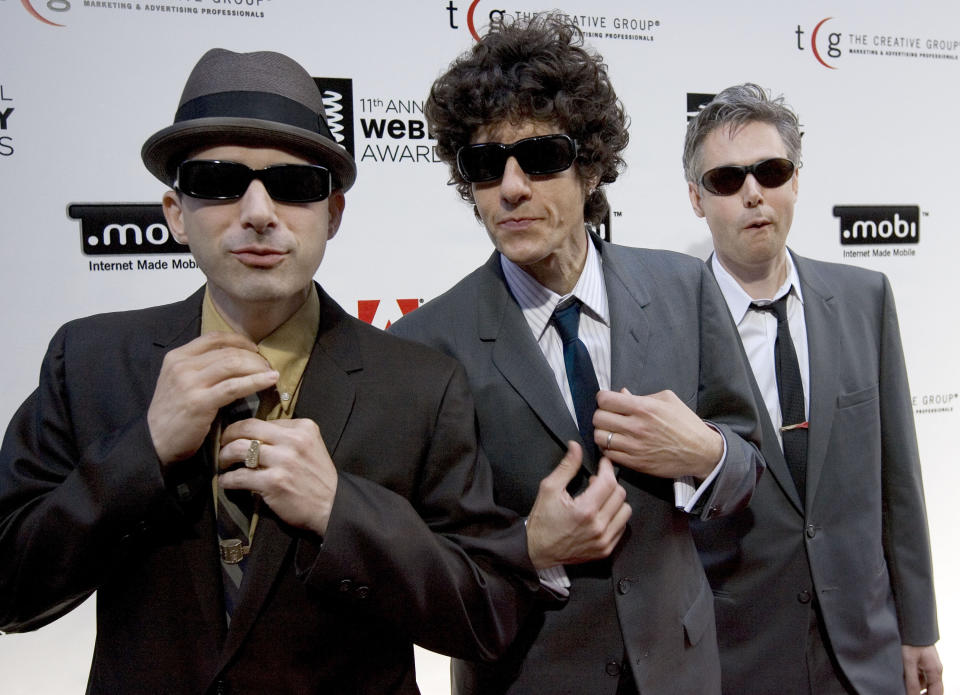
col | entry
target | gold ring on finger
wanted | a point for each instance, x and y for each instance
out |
(252, 459)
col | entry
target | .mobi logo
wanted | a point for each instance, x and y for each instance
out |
(110, 229)
(878, 224)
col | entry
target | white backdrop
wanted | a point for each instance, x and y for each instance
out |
(83, 83)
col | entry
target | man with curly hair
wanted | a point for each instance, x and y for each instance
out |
(626, 355)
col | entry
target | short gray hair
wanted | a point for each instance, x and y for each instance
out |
(734, 108)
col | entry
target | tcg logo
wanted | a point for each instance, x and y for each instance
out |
(50, 7)
(825, 45)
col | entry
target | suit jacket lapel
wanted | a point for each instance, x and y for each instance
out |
(518, 357)
(327, 397)
(823, 342)
(629, 327)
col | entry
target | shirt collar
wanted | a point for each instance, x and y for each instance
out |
(739, 301)
(538, 302)
(287, 349)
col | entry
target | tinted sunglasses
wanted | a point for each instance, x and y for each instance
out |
(213, 179)
(770, 173)
(539, 155)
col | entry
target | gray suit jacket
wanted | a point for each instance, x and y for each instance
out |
(860, 546)
(649, 604)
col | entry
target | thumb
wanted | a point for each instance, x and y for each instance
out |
(567, 468)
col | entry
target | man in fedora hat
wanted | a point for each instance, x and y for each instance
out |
(266, 494)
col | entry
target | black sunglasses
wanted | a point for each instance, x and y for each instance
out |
(770, 173)
(213, 179)
(539, 155)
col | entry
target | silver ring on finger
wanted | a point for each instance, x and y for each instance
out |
(609, 439)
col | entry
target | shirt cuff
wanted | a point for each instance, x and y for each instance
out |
(686, 492)
(555, 578)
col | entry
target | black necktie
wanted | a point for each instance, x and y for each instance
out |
(580, 374)
(790, 388)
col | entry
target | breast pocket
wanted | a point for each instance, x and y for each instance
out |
(853, 398)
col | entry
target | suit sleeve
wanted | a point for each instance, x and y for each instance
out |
(726, 401)
(905, 535)
(68, 510)
(447, 567)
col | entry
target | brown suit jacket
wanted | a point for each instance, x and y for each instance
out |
(415, 550)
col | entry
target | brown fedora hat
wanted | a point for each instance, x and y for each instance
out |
(261, 99)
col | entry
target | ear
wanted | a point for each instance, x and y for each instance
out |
(693, 190)
(335, 205)
(173, 212)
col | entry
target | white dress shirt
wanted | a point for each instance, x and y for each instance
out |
(538, 304)
(758, 333)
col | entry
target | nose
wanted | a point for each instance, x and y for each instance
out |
(515, 184)
(751, 192)
(257, 209)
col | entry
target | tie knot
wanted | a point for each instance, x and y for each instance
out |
(566, 317)
(779, 307)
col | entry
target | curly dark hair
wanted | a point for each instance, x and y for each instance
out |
(534, 69)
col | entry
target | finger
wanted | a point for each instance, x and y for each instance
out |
(228, 362)
(566, 469)
(619, 524)
(599, 488)
(217, 340)
(251, 428)
(241, 479)
(618, 403)
(912, 673)
(606, 439)
(225, 392)
(236, 452)
(612, 505)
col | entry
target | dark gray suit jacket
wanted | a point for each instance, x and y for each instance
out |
(415, 550)
(650, 603)
(860, 545)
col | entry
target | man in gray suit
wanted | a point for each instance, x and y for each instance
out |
(823, 585)
(532, 129)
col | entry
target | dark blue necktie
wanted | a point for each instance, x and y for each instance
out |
(580, 374)
(790, 389)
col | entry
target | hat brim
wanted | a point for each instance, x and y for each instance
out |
(163, 152)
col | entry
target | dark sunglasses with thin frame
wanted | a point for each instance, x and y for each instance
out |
(537, 156)
(213, 179)
(727, 180)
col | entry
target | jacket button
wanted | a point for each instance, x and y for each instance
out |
(346, 586)
(362, 591)
(220, 688)
(613, 668)
(623, 586)
(811, 531)
(804, 596)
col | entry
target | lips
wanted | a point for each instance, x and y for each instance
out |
(516, 223)
(259, 256)
(757, 224)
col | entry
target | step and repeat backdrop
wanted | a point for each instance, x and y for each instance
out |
(84, 82)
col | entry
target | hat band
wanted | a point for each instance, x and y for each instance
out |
(263, 106)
